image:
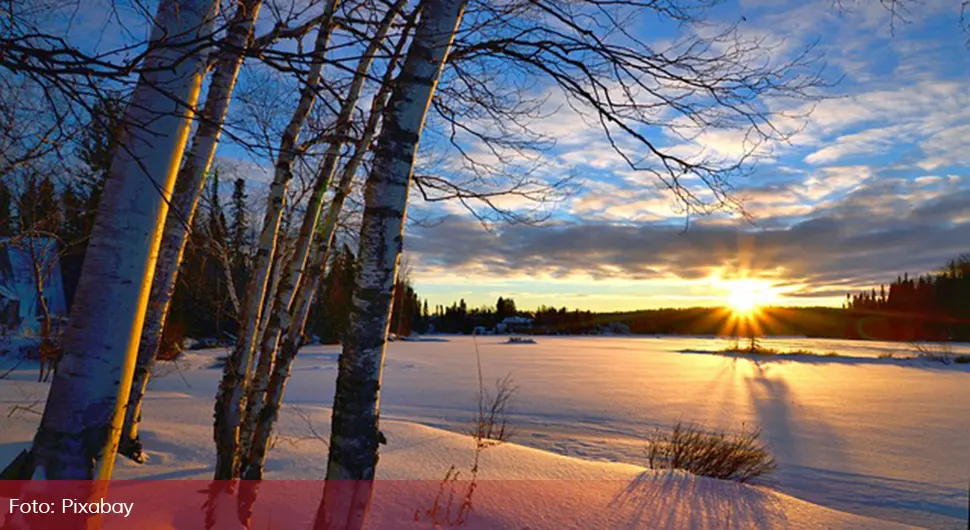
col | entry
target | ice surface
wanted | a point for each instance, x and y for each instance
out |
(883, 440)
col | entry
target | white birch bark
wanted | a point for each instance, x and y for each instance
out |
(189, 187)
(82, 421)
(265, 421)
(281, 317)
(276, 271)
(354, 432)
(232, 388)
(264, 360)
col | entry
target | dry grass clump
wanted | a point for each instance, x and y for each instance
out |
(739, 457)
(939, 352)
(761, 350)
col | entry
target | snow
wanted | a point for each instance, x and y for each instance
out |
(858, 444)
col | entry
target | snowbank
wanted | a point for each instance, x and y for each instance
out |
(517, 487)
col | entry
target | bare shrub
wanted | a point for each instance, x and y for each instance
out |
(940, 352)
(453, 501)
(491, 422)
(740, 457)
(49, 353)
(451, 505)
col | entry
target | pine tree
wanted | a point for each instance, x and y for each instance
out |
(73, 230)
(217, 218)
(238, 242)
(95, 147)
(6, 210)
(38, 208)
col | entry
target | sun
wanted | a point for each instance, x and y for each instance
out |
(743, 302)
(746, 297)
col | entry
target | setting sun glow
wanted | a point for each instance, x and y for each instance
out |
(745, 297)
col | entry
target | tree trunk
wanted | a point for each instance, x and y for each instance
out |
(265, 421)
(83, 417)
(354, 432)
(264, 362)
(189, 187)
(232, 388)
(281, 317)
(47, 352)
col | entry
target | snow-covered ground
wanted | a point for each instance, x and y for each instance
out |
(887, 440)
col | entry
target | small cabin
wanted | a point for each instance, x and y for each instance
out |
(514, 324)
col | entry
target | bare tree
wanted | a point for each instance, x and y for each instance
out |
(188, 189)
(281, 317)
(34, 124)
(354, 433)
(613, 79)
(82, 421)
(43, 253)
(232, 388)
(265, 420)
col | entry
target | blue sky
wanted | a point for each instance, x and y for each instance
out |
(874, 185)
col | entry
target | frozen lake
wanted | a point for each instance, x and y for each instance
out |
(883, 440)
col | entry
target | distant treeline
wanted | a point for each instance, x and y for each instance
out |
(826, 322)
(817, 322)
(808, 321)
(930, 307)
(933, 306)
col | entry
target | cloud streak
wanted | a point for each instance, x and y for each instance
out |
(842, 245)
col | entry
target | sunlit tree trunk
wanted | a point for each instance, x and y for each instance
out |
(232, 388)
(354, 432)
(82, 421)
(189, 187)
(281, 318)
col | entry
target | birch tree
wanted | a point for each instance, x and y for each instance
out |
(188, 189)
(292, 278)
(354, 429)
(81, 425)
(232, 388)
(265, 420)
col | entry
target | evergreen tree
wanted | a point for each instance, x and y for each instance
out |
(74, 229)
(98, 138)
(330, 314)
(6, 211)
(217, 218)
(94, 146)
(38, 208)
(239, 242)
(240, 219)
(505, 307)
(925, 307)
